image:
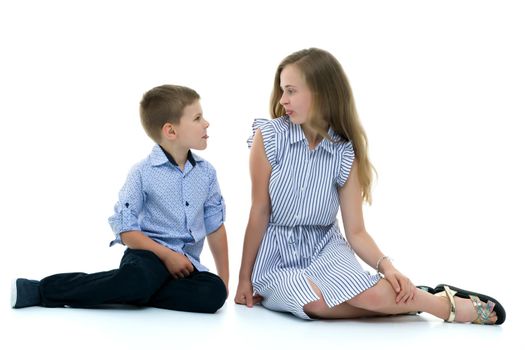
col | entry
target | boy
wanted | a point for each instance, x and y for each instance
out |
(170, 203)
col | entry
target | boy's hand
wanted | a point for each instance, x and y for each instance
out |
(178, 265)
(245, 295)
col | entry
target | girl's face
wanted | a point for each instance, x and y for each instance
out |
(297, 97)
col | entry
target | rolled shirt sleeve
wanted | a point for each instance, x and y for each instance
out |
(214, 207)
(128, 206)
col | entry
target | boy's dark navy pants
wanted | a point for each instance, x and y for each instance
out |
(142, 280)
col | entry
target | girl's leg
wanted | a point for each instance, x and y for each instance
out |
(382, 297)
(381, 300)
(319, 309)
(140, 274)
(199, 292)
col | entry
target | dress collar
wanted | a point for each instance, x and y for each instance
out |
(297, 135)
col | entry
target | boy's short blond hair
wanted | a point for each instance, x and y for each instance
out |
(164, 104)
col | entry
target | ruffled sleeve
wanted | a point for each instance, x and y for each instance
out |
(268, 135)
(347, 159)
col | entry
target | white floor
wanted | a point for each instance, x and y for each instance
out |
(235, 326)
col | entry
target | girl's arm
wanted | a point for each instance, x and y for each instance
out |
(362, 243)
(260, 170)
(218, 244)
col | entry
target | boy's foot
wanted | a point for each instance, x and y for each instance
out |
(25, 293)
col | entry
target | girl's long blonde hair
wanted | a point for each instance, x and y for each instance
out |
(332, 105)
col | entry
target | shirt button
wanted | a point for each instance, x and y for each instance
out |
(187, 203)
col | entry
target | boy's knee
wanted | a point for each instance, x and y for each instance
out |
(138, 283)
(212, 293)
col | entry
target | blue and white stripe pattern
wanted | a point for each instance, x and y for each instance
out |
(303, 240)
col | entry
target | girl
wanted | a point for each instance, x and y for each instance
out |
(304, 163)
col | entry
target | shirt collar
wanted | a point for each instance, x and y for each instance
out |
(160, 156)
(297, 135)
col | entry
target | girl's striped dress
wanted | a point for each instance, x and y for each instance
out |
(303, 240)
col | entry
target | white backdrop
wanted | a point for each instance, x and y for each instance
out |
(439, 87)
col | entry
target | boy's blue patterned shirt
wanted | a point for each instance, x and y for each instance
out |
(175, 208)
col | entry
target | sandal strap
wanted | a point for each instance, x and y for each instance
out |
(449, 294)
(482, 311)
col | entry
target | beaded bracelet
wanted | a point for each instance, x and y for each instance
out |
(379, 262)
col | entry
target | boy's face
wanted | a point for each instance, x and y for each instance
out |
(192, 127)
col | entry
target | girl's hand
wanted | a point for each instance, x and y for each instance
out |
(245, 295)
(403, 287)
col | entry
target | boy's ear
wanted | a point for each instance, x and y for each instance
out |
(169, 131)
